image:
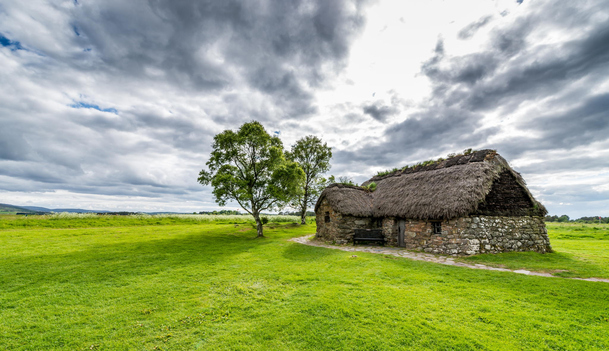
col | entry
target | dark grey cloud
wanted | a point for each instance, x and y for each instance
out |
(466, 70)
(540, 71)
(279, 47)
(380, 112)
(440, 130)
(515, 70)
(471, 29)
(449, 127)
(123, 98)
(585, 123)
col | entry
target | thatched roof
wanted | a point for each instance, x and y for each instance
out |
(348, 199)
(452, 188)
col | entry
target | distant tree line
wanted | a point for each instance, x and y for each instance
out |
(296, 213)
(565, 218)
(221, 212)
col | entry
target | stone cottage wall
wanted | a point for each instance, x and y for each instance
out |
(341, 228)
(473, 235)
(390, 231)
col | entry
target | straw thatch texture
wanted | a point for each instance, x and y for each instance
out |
(442, 193)
(449, 189)
(347, 199)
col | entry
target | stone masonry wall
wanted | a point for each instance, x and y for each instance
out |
(341, 228)
(390, 231)
(473, 235)
(462, 236)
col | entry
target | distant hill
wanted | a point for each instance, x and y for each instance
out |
(10, 209)
(36, 208)
(59, 210)
(76, 210)
(6, 209)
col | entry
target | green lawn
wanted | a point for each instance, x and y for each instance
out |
(580, 250)
(213, 287)
(87, 220)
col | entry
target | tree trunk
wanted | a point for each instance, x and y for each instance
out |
(258, 225)
(303, 210)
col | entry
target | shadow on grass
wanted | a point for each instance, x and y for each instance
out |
(116, 262)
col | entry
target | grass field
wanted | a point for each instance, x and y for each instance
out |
(84, 220)
(581, 250)
(211, 286)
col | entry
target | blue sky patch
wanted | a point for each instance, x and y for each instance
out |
(13, 45)
(76, 30)
(81, 104)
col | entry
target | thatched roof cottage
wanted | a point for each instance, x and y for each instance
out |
(466, 204)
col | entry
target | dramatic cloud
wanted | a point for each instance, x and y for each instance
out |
(471, 29)
(380, 112)
(117, 102)
(123, 98)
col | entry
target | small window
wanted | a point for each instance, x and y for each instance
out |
(327, 217)
(436, 227)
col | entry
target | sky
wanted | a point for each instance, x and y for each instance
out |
(113, 105)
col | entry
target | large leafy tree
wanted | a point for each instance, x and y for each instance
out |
(249, 167)
(314, 158)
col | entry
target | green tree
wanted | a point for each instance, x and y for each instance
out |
(314, 159)
(563, 219)
(249, 167)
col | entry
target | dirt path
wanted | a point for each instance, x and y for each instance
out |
(419, 256)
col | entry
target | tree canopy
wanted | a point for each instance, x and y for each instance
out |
(314, 159)
(249, 167)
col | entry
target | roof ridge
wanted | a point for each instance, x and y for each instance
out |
(476, 156)
(343, 185)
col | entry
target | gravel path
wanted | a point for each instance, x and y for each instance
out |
(419, 256)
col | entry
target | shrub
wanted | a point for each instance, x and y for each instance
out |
(424, 163)
(370, 187)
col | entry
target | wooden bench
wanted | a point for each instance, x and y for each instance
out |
(368, 235)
